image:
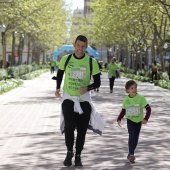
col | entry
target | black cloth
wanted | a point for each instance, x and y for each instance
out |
(111, 82)
(100, 66)
(154, 74)
(76, 121)
(134, 131)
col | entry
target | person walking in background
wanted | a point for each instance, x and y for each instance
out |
(76, 100)
(52, 65)
(155, 67)
(132, 108)
(112, 67)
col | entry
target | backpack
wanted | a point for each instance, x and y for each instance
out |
(67, 60)
(90, 62)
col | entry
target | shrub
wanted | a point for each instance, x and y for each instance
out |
(9, 84)
(22, 70)
(34, 66)
(13, 71)
(3, 74)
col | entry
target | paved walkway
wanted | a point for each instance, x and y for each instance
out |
(30, 138)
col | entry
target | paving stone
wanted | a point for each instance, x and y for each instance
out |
(30, 138)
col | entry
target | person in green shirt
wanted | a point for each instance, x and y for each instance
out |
(76, 100)
(112, 67)
(52, 65)
(132, 108)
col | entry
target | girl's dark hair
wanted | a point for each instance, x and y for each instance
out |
(130, 83)
(82, 38)
(114, 59)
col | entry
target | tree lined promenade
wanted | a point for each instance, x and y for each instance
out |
(136, 32)
(31, 139)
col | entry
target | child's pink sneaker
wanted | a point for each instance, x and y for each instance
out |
(131, 158)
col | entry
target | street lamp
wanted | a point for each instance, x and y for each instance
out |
(2, 29)
(165, 47)
(14, 34)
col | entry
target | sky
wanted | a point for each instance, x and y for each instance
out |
(75, 3)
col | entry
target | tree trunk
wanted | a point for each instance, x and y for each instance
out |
(28, 56)
(153, 50)
(127, 58)
(146, 59)
(108, 56)
(20, 49)
(161, 52)
(4, 49)
(43, 57)
(13, 49)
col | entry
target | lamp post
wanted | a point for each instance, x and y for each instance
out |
(165, 47)
(2, 29)
(14, 34)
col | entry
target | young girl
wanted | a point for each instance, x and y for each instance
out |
(133, 105)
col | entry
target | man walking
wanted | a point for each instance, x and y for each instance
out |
(76, 100)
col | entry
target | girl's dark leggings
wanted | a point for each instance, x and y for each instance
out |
(134, 131)
(111, 80)
(154, 74)
(76, 121)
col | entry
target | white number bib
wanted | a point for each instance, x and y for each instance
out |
(133, 110)
(77, 73)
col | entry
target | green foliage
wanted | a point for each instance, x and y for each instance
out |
(33, 74)
(162, 83)
(13, 71)
(34, 66)
(43, 21)
(141, 72)
(6, 85)
(127, 70)
(16, 72)
(22, 69)
(29, 68)
(163, 77)
(3, 74)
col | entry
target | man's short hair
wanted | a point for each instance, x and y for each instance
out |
(82, 38)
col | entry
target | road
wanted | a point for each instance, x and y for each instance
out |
(30, 138)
